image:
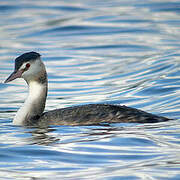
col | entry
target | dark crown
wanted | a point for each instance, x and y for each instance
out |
(29, 56)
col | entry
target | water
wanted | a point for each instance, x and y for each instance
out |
(120, 52)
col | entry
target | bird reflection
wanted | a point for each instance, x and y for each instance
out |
(52, 135)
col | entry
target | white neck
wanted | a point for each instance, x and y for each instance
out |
(34, 104)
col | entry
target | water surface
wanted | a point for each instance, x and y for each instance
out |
(119, 52)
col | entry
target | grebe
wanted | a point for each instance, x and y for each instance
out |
(30, 67)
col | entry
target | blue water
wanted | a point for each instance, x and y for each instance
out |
(118, 51)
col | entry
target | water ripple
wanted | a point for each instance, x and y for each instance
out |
(118, 52)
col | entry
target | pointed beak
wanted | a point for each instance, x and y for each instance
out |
(14, 75)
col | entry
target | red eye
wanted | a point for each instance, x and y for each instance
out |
(28, 65)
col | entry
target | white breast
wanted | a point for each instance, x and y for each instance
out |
(37, 94)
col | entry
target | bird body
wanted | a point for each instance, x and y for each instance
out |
(94, 114)
(30, 67)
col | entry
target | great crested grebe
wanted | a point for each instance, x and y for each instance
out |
(30, 67)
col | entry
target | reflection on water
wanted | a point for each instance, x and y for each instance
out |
(95, 51)
(95, 151)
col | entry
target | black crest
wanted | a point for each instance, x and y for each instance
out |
(29, 56)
